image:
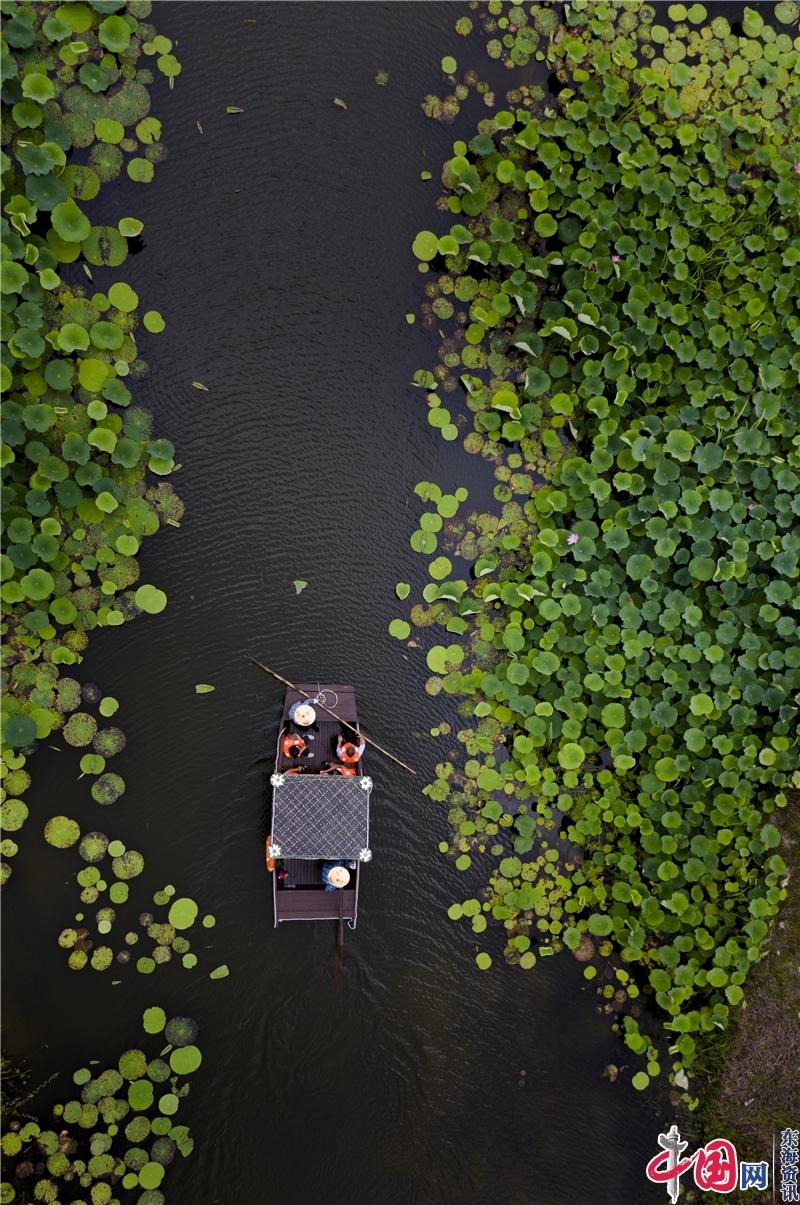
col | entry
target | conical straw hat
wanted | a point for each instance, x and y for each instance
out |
(339, 876)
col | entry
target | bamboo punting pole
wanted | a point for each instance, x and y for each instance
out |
(359, 734)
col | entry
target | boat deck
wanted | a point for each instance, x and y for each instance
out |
(321, 741)
(301, 895)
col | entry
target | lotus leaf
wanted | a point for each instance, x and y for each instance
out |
(185, 1059)
(183, 913)
(150, 599)
(70, 223)
(127, 865)
(153, 322)
(61, 832)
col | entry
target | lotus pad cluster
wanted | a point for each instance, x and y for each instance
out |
(76, 448)
(108, 889)
(623, 273)
(118, 1136)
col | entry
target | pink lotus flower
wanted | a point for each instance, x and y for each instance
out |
(797, 168)
(751, 506)
(615, 259)
(573, 537)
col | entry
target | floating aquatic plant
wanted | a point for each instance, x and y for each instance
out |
(75, 451)
(113, 873)
(629, 673)
(118, 1132)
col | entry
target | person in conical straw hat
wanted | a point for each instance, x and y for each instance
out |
(303, 715)
(338, 876)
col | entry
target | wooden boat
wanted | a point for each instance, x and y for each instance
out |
(318, 817)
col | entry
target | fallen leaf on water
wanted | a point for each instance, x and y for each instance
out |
(86, 270)
(340, 104)
(220, 972)
(199, 385)
(299, 585)
(382, 77)
(234, 109)
(200, 128)
(203, 688)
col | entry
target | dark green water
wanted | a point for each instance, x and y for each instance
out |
(277, 245)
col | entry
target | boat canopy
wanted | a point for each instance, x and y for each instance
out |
(320, 816)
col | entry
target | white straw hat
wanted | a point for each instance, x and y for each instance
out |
(338, 876)
(305, 715)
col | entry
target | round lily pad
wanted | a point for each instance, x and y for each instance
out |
(93, 847)
(154, 1019)
(79, 729)
(61, 832)
(185, 1059)
(150, 599)
(181, 1031)
(108, 788)
(183, 913)
(153, 322)
(128, 865)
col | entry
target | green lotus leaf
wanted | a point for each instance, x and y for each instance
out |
(123, 297)
(70, 223)
(26, 114)
(19, 730)
(130, 228)
(140, 170)
(107, 790)
(153, 322)
(38, 87)
(571, 756)
(425, 245)
(150, 599)
(58, 373)
(46, 192)
(185, 1059)
(61, 832)
(95, 78)
(55, 29)
(106, 335)
(115, 34)
(92, 374)
(168, 65)
(108, 130)
(14, 277)
(105, 245)
(183, 913)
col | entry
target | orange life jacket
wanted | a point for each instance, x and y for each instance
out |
(293, 745)
(348, 753)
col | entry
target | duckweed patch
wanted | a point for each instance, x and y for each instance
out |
(618, 301)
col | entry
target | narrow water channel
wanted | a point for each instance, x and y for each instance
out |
(277, 245)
